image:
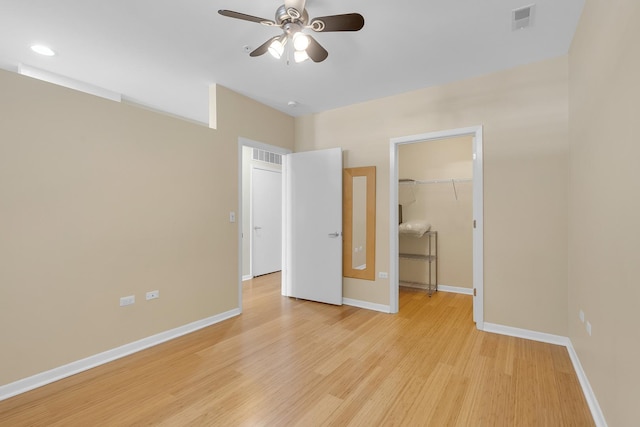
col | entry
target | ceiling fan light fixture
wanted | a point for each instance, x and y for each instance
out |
(300, 56)
(300, 41)
(292, 18)
(276, 49)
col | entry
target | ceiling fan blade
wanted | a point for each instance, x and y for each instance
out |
(263, 48)
(245, 17)
(345, 22)
(315, 51)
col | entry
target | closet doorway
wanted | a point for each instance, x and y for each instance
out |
(436, 214)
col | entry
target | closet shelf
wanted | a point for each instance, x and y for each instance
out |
(451, 181)
(418, 257)
(431, 257)
(433, 181)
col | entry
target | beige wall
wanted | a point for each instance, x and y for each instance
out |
(449, 211)
(604, 207)
(524, 114)
(101, 200)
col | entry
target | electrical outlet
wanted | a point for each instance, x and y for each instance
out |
(581, 314)
(124, 301)
(383, 275)
(589, 328)
(153, 295)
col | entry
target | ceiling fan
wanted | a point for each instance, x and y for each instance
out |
(292, 18)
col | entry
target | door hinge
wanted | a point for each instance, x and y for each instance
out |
(474, 223)
(474, 292)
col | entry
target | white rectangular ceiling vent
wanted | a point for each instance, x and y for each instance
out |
(267, 156)
(522, 17)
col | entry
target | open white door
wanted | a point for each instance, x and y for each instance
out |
(313, 225)
(266, 221)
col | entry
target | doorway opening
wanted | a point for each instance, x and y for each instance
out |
(259, 186)
(432, 185)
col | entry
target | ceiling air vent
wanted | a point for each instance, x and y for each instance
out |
(522, 17)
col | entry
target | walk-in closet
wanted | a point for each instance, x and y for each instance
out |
(436, 215)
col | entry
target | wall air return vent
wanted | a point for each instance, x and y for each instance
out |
(266, 156)
(522, 17)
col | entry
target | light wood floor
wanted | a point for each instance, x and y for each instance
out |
(286, 362)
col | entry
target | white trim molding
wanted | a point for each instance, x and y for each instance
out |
(475, 132)
(55, 374)
(590, 396)
(592, 401)
(68, 82)
(247, 277)
(366, 305)
(526, 334)
(455, 289)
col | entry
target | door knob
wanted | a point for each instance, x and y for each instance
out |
(257, 228)
(334, 235)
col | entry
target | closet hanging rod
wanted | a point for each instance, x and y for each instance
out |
(434, 181)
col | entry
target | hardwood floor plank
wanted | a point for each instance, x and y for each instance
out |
(293, 362)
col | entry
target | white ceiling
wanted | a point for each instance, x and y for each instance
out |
(165, 53)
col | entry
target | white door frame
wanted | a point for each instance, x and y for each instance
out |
(478, 254)
(245, 142)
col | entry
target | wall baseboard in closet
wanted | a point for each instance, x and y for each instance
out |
(455, 289)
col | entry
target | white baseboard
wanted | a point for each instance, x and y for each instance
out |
(594, 406)
(526, 334)
(443, 288)
(47, 377)
(367, 305)
(247, 277)
(455, 289)
(55, 374)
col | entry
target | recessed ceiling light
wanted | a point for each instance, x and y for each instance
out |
(42, 50)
